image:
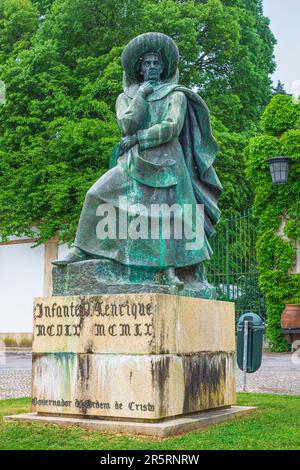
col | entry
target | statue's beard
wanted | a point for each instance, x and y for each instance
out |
(153, 79)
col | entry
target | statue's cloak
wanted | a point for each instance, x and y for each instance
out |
(172, 163)
(199, 148)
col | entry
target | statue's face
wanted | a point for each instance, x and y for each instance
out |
(151, 67)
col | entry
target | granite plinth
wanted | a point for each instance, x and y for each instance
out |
(105, 276)
(162, 429)
(148, 387)
(132, 324)
(132, 356)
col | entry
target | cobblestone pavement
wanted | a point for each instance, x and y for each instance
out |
(15, 384)
(15, 374)
(278, 374)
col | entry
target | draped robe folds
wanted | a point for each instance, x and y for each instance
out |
(170, 164)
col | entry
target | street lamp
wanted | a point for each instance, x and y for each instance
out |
(279, 169)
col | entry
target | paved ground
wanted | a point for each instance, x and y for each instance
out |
(15, 374)
(279, 373)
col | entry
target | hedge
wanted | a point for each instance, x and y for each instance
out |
(277, 208)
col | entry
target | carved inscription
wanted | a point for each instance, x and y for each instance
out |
(85, 405)
(109, 319)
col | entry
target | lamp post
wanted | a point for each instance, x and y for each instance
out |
(279, 169)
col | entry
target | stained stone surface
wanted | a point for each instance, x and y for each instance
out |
(132, 386)
(132, 356)
(132, 323)
(279, 373)
(109, 277)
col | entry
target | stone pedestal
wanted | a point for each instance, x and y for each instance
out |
(142, 356)
(106, 276)
(161, 429)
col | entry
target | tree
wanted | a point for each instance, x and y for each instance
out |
(58, 127)
(43, 6)
(279, 89)
(18, 23)
(55, 140)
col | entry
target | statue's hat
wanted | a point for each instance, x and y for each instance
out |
(150, 42)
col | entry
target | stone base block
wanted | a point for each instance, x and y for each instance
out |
(144, 356)
(132, 324)
(148, 387)
(161, 429)
(105, 276)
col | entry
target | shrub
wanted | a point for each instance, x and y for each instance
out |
(26, 343)
(280, 115)
(10, 342)
(277, 209)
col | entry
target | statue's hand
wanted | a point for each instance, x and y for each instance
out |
(128, 142)
(145, 89)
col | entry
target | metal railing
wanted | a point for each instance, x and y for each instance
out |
(233, 267)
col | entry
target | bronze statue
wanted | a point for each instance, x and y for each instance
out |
(165, 157)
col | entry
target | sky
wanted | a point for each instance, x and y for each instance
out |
(285, 16)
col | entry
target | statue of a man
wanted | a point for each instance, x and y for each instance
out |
(163, 159)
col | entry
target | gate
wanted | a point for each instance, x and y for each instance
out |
(233, 267)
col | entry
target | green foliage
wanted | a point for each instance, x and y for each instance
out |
(18, 22)
(61, 66)
(56, 138)
(279, 89)
(25, 343)
(282, 114)
(43, 5)
(278, 209)
(230, 166)
(10, 342)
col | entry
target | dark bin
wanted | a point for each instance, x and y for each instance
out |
(255, 341)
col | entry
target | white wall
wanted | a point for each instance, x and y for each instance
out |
(62, 251)
(21, 279)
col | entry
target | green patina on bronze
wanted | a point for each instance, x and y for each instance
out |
(165, 157)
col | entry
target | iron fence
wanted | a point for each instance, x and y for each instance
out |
(233, 267)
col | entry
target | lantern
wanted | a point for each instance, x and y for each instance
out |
(279, 169)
